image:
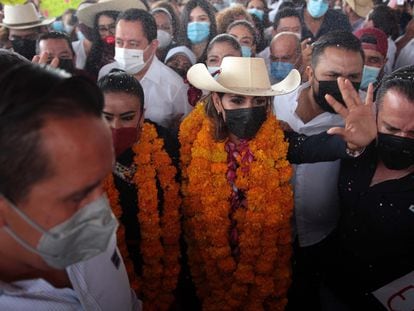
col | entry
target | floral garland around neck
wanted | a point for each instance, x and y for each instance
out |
(160, 232)
(259, 277)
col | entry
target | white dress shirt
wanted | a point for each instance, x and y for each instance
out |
(99, 284)
(166, 100)
(316, 208)
(80, 54)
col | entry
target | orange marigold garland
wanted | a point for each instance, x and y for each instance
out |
(160, 234)
(261, 276)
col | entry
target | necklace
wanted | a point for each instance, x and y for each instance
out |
(159, 225)
(255, 273)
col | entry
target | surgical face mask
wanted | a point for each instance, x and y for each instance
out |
(369, 75)
(257, 12)
(397, 153)
(219, 6)
(198, 32)
(68, 28)
(164, 38)
(25, 47)
(213, 70)
(331, 88)
(123, 138)
(317, 8)
(80, 35)
(246, 51)
(245, 122)
(86, 234)
(58, 26)
(280, 70)
(129, 60)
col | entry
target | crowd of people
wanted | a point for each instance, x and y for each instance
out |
(207, 155)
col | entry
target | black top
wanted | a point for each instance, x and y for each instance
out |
(375, 235)
(333, 20)
(128, 196)
(373, 244)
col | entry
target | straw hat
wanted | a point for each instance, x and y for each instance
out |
(360, 7)
(87, 14)
(23, 16)
(242, 75)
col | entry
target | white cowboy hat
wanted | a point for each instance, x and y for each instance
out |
(23, 16)
(361, 7)
(87, 14)
(242, 75)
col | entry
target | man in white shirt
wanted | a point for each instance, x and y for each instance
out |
(336, 54)
(166, 101)
(57, 232)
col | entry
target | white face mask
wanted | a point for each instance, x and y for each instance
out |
(86, 234)
(130, 60)
(164, 38)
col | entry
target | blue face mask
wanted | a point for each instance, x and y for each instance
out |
(198, 32)
(369, 75)
(246, 51)
(258, 13)
(317, 8)
(280, 70)
(58, 26)
(221, 6)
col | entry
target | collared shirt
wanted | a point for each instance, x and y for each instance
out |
(315, 185)
(99, 284)
(406, 56)
(333, 20)
(166, 101)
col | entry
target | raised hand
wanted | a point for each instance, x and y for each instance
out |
(360, 121)
(43, 59)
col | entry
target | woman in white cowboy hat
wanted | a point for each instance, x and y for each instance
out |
(237, 197)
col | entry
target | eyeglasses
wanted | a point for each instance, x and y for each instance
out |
(107, 28)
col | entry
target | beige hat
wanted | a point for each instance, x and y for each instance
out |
(87, 14)
(23, 16)
(242, 75)
(360, 7)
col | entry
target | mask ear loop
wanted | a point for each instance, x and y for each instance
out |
(27, 219)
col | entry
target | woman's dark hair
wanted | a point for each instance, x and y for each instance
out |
(384, 18)
(261, 43)
(220, 129)
(185, 19)
(29, 96)
(98, 56)
(120, 82)
(224, 38)
(247, 25)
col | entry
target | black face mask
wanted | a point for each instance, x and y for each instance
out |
(396, 152)
(25, 47)
(67, 65)
(331, 88)
(245, 122)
